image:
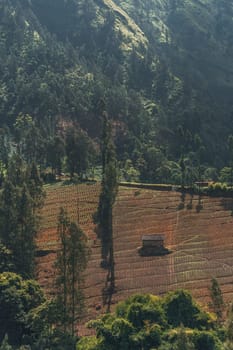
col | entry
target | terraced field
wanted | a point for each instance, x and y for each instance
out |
(198, 231)
(80, 202)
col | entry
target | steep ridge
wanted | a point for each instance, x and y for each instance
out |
(127, 26)
(74, 13)
(193, 32)
(198, 231)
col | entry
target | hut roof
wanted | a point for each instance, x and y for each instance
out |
(154, 237)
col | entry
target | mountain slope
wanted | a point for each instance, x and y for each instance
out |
(66, 19)
(159, 65)
(194, 40)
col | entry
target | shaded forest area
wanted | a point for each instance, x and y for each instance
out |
(163, 70)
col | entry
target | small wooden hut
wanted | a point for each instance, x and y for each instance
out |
(153, 245)
(155, 240)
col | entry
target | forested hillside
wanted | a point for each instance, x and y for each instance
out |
(97, 97)
(162, 67)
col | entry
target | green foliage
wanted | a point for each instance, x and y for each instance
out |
(18, 298)
(206, 340)
(89, 343)
(4, 147)
(79, 150)
(42, 319)
(183, 342)
(140, 309)
(129, 172)
(56, 340)
(180, 308)
(229, 325)
(148, 338)
(217, 299)
(153, 159)
(21, 197)
(56, 153)
(6, 259)
(5, 345)
(114, 332)
(146, 322)
(211, 174)
(35, 187)
(225, 175)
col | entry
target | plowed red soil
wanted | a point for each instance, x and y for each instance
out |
(198, 231)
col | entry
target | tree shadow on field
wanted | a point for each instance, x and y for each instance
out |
(199, 205)
(108, 264)
(182, 201)
(190, 203)
(108, 290)
(227, 204)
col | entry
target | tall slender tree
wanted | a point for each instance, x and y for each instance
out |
(18, 215)
(217, 302)
(77, 263)
(71, 263)
(107, 196)
(61, 265)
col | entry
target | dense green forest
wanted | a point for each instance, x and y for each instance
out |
(163, 69)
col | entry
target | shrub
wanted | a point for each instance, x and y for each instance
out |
(206, 340)
(140, 309)
(181, 309)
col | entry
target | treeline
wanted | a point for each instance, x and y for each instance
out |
(69, 149)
